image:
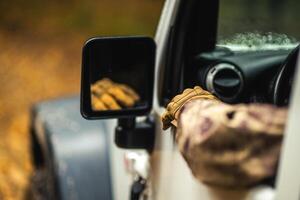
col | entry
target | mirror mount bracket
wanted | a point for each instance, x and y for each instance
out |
(130, 134)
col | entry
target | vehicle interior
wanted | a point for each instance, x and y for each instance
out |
(241, 56)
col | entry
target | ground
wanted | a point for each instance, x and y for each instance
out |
(31, 70)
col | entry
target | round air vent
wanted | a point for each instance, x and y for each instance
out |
(225, 81)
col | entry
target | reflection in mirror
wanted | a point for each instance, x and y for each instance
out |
(109, 95)
(117, 77)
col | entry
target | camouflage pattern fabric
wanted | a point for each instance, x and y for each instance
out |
(230, 145)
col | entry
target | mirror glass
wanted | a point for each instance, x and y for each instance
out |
(119, 76)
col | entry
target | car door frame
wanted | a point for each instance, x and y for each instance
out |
(175, 183)
(288, 182)
(166, 182)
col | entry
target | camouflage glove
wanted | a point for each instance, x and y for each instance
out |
(170, 116)
(231, 145)
(107, 95)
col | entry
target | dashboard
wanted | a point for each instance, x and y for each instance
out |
(264, 76)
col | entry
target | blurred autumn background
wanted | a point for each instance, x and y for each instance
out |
(40, 59)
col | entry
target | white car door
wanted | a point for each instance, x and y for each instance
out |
(171, 177)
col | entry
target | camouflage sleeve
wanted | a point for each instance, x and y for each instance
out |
(230, 145)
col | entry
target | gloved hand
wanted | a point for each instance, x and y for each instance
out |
(107, 95)
(170, 116)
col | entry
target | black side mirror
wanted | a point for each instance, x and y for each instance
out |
(117, 77)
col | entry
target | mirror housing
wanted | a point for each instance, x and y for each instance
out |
(117, 77)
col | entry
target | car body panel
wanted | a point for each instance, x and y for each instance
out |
(77, 150)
